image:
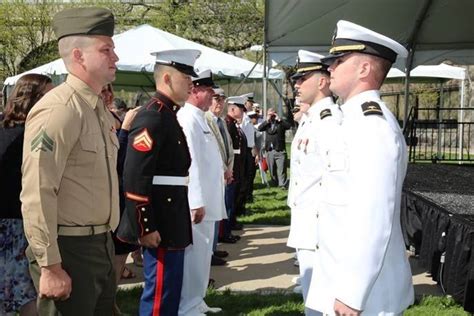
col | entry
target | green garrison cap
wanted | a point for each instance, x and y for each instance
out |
(83, 21)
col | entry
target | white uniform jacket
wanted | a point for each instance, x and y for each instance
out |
(360, 256)
(206, 176)
(304, 191)
(249, 130)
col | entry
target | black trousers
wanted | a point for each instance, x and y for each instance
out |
(251, 172)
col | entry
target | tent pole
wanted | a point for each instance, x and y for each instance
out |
(440, 121)
(408, 66)
(461, 125)
(245, 78)
(411, 43)
(264, 80)
(265, 62)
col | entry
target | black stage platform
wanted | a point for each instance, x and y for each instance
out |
(438, 221)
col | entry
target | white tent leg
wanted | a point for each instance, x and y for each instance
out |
(461, 126)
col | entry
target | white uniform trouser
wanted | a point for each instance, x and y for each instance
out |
(197, 268)
(306, 261)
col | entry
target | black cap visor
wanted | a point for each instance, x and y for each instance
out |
(239, 106)
(205, 82)
(330, 59)
(185, 69)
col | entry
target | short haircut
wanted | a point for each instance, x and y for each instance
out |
(68, 43)
(381, 67)
(159, 70)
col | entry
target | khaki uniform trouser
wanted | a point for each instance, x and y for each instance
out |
(89, 262)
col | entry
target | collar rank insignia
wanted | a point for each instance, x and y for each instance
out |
(371, 108)
(325, 113)
(143, 141)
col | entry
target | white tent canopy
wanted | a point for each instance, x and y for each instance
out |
(135, 67)
(435, 30)
(432, 30)
(441, 71)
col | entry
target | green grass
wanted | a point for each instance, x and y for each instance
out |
(279, 304)
(436, 306)
(268, 207)
(231, 303)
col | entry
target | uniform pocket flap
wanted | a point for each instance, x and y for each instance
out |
(89, 142)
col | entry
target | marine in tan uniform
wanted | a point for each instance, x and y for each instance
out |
(70, 187)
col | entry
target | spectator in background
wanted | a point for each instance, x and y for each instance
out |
(275, 128)
(122, 249)
(120, 108)
(17, 292)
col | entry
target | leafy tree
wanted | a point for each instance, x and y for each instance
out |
(24, 28)
(27, 39)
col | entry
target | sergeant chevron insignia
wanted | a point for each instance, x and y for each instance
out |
(325, 113)
(371, 108)
(42, 142)
(143, 141)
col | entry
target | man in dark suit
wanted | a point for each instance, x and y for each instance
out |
(274, 129)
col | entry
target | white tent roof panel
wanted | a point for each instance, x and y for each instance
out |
(445, 30)
(134, 46)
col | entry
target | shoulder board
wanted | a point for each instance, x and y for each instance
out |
(325, 113)
(371, 108)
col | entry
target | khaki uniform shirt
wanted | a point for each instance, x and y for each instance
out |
(69, 167)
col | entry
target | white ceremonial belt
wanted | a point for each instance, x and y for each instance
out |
(170, 180)
(236, 151)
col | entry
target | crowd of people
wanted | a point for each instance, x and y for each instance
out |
(86, 181)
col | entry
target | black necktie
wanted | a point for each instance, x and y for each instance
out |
(220, 124)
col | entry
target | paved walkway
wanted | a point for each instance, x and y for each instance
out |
(260, 261)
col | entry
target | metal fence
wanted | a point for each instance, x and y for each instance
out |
(440, 134)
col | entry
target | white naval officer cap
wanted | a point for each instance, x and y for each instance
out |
(237, 100)
(204, 78)
(252, 113)
(349, 37)
(180, 59)
(218, 91)
(308, 62)
(248, 97)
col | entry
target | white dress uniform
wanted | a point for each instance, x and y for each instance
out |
(249, 130)
(304, 192)
(206, 189)
(360, 254)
